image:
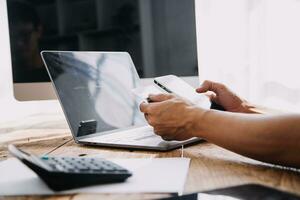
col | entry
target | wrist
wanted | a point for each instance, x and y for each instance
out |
(198, 125)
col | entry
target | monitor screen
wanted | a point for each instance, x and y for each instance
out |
(160, 35)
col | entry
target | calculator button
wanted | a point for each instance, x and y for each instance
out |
(59, 168)
(45, 157)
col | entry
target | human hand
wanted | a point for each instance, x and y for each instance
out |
(225, 97)
(172, 118)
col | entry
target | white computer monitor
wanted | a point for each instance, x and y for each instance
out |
(22, 91)
(160, 35)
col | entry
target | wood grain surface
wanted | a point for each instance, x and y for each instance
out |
(211, 166)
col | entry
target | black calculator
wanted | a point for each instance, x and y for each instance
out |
(62, 173)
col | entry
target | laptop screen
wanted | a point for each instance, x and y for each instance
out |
(94, 89)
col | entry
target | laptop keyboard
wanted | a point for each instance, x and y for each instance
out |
(137, 134)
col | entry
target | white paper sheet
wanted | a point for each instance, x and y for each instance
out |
(157, 175)
(185, 91)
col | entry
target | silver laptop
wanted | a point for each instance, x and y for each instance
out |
(95, 92)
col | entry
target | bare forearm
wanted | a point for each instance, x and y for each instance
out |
(269, 138)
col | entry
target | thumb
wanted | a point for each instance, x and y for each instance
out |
(204, 87)
(159, 97)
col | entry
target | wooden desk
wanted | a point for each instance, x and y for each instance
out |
(211, 166)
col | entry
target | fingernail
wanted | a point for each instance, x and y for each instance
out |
(151, 96)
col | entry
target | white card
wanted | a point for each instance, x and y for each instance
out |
(144, 91)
